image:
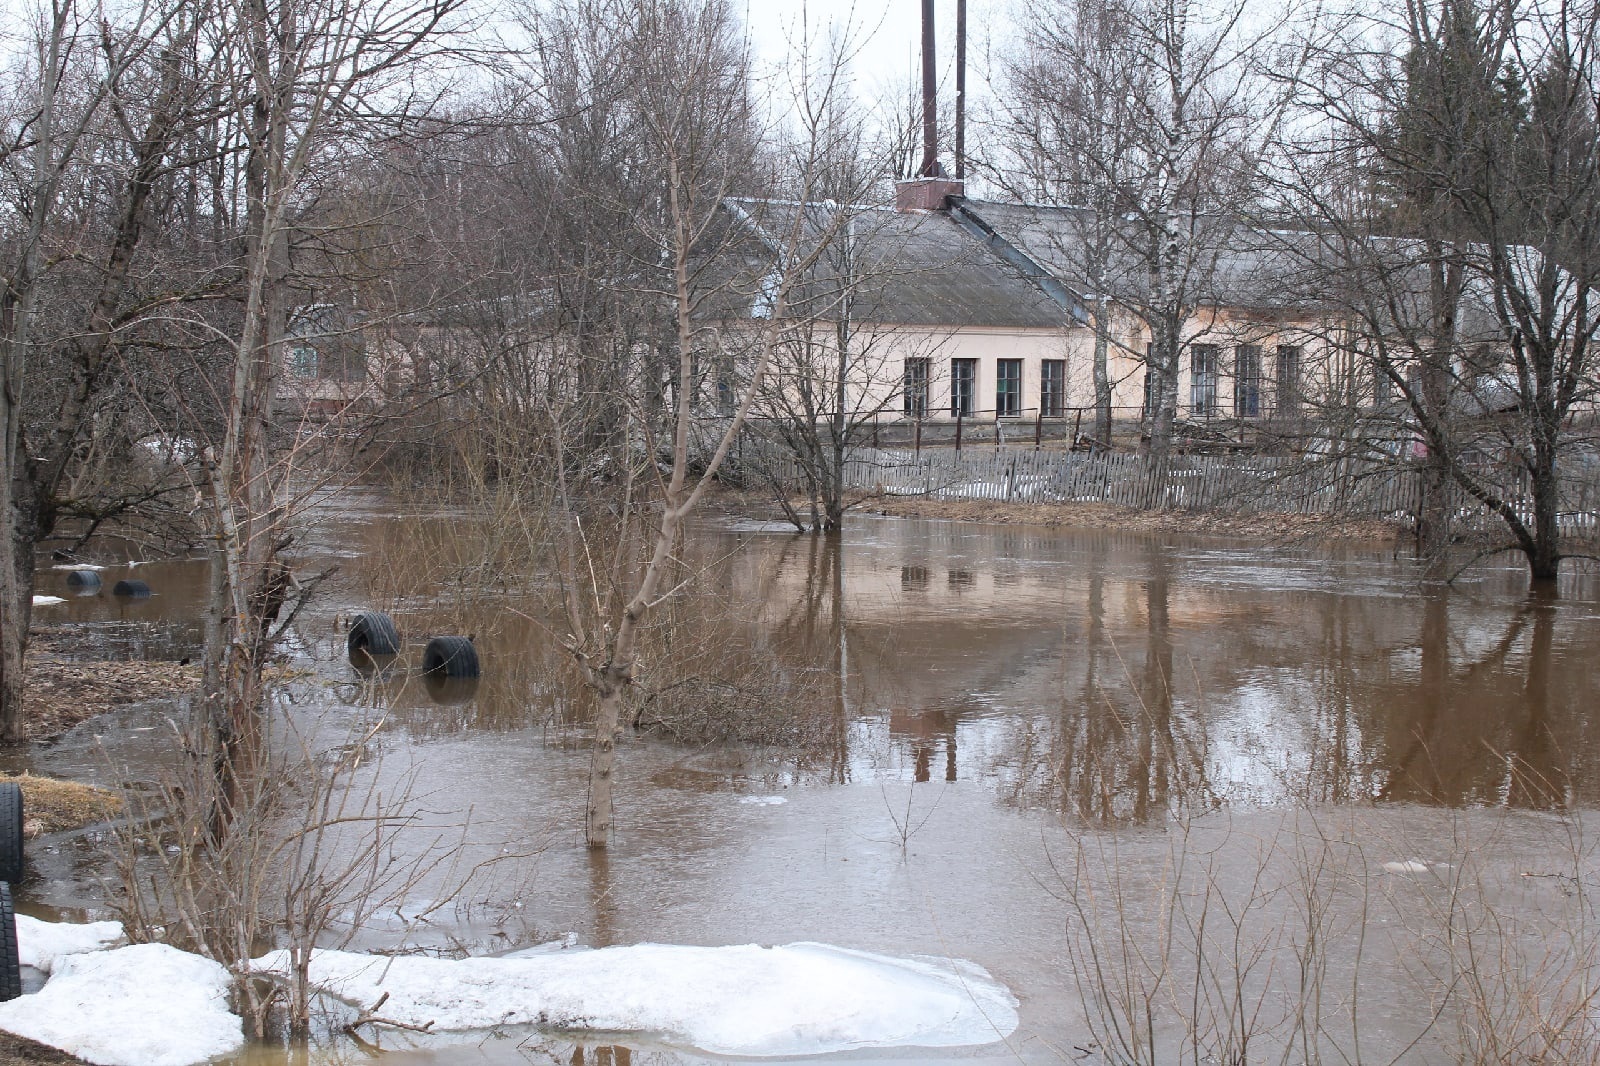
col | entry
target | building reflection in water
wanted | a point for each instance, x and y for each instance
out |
(1124, 680)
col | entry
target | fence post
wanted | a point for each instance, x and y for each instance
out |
(917, 437)
(1077, 427)
(997, 440)
(1038, 429)
(958, 430)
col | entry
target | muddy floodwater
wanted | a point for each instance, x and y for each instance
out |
(1291, 799)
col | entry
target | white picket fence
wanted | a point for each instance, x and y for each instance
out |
(1252, 484)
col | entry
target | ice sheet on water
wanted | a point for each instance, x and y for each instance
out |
(800, 999)
(154, 1005)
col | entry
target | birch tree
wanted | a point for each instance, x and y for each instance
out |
(1149, 111)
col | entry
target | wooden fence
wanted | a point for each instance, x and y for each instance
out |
(1233, 483)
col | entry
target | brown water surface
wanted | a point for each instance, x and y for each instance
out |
(978, 736)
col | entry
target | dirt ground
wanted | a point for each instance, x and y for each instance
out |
(60, 692)
(18, 1049)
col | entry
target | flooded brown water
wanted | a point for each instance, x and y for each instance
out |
(1068, 757)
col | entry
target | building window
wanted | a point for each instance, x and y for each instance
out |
(1007, 388)
(963, 383)
(304, 361)
(914, 388)
(1203, 379)
(1247, 382)
(1053, 389)
(1382, 387)
(1288, 379)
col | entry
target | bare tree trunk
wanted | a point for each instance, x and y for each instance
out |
(1102, 375)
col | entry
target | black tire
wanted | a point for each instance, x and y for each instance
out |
(450, 657)
(137, 589)
(10, 961)
(372, 633)
(83, 582)
(10, 832)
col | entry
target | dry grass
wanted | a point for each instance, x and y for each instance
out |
(51, 806)
(1280, 527)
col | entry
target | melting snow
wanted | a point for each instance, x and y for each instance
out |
(47, 601)
(762, 801)
(153, 1005)
(145, 1005)
(40, 944)
(801, 999)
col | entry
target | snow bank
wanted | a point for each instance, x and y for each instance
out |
(47, 601)
(802, 999)
(40, 944)
(146, 1005)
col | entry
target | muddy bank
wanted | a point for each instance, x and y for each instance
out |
(19, 1051)
(1278, 527)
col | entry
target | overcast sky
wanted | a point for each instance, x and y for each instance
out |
(886, 32)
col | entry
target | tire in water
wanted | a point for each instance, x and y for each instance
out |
(83, 582)
(450, 657)
(10, 832)
(137, 589)
(372, 633)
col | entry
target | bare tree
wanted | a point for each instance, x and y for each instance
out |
(1146, 116)
(113, 98)
(1457, 207)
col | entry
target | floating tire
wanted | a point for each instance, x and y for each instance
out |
(136, 589)
(455, 657)
(83, 582)
(10, 958)
(372, 633)
(10, 832)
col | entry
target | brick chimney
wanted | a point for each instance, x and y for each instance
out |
(925, 194)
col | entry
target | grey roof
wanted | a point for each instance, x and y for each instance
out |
(912, 268)
(1231, 265)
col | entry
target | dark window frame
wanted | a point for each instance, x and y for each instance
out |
(914, 386)
(1247, 381)
(1008, 388)
(963, 387)
(1203, 360)
(1053, 388)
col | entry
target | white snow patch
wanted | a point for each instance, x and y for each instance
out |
(145, 1005)
(763, 801)
(1410, 866)
(40, 944)
(76, 566)
(47, 601)
(800, 999)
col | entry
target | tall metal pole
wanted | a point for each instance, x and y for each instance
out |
(930, 133)
(961, 89)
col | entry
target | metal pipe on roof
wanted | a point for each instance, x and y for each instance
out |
(930, 129)
(961, 89)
